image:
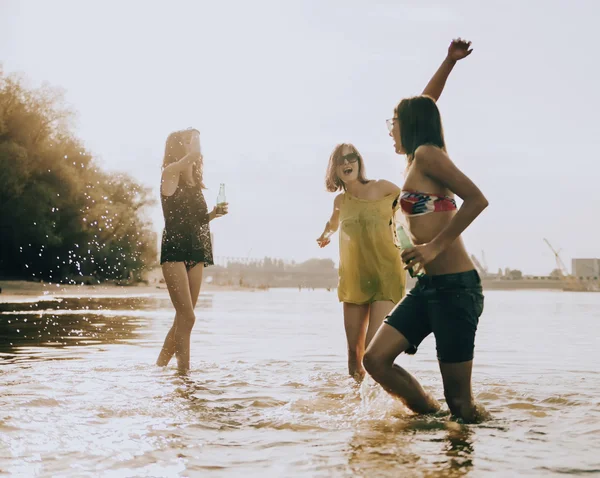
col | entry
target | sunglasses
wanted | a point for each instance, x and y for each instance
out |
(390, 123)
(351, 158)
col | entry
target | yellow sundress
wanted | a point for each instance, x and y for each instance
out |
(371, 268)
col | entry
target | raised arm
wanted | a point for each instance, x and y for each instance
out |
(333, 223)
(457, 50)
(170, 175)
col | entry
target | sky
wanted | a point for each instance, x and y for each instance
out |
(273, 86)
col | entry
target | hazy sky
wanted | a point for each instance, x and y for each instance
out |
(274, 85)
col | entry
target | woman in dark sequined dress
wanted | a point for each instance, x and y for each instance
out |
(186, 245)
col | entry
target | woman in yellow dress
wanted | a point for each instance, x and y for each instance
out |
(371, 273)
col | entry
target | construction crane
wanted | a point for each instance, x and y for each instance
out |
(481, 266)
(481, 269)
(560, 265)
(571, 283)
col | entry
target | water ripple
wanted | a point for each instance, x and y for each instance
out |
(268, 393)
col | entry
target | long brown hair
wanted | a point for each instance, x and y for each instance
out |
(420, 123)
(333, 182)
(175, 150)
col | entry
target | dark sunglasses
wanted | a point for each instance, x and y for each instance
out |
(351, 158)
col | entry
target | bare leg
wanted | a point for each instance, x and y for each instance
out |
(195, 281)
(178, 285)
(379, 311)
(458, 393)
(356, 318)
(387, 344)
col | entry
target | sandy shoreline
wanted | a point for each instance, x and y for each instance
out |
(19, 289)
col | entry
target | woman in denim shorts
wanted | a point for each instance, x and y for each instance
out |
(447, 299)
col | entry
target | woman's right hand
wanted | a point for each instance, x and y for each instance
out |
(192, 149)
(323, 240)
(193, 144)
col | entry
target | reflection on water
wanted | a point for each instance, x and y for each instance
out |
(69, 321)
(268, 394)
(448, 447)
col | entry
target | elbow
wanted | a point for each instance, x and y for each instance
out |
(483, 203)
(477, 203)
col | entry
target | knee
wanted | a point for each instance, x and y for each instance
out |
(374, 364)
(185, 322)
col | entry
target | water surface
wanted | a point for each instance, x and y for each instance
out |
(268, 393)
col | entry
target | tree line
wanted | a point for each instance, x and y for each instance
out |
(62, 218)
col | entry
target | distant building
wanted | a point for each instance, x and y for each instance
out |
(586, 267)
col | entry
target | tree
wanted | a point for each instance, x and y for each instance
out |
(515, 274)
(61, 216)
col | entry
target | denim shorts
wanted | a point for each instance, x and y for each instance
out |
(448, 305)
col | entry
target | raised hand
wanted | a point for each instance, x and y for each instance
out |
(459, 49)
(193, 144)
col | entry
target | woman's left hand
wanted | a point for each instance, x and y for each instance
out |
(221, 210)
(417, 257)
(459, 49)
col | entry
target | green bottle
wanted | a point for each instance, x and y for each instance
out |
(221, 200)
(405, 243)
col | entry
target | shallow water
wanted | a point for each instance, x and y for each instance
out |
(268, 393)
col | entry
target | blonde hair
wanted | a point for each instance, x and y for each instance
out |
(333, 182)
